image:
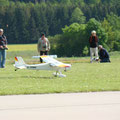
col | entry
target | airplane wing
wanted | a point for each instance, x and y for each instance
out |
(53, 62)
(53, 56)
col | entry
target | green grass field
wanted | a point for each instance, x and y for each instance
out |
(83, 76)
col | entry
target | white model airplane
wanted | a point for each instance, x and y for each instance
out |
(50, 64)
(53, 56)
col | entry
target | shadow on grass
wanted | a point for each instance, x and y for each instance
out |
(34, 77)
(8, 77)
(27, 77)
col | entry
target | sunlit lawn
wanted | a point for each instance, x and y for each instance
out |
(83, 77)
(22, 47)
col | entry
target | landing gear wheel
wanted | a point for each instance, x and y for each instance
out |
(59, 75)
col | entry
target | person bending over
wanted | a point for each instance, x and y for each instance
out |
(103, 54)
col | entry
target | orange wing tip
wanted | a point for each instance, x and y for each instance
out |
(16, 59)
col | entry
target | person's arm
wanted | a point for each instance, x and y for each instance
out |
(90, 39)
(1, 43)
(48, 44)
(5, 39)
(38, 46)
(96, 39)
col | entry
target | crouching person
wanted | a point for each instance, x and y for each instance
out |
(103, 54)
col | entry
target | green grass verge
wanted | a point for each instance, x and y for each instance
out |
(83, 77)
(22, 47)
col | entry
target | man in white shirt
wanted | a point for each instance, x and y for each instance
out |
(43, 45)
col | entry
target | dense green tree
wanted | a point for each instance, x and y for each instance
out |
(24, 20)
(10, 27)
(108, 29)
(85, 51)
(4, 3)
(73, 40)
(33, 33)
(92, 1)
(21, 22)
(93, 24)
(78, 16)
(114, 20)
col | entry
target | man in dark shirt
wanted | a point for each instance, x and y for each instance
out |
(104, 56)
(3, 47)
(93, 40)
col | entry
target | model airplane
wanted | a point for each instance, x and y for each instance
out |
(53, 56)
(50, 64)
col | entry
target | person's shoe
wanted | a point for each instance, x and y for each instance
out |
(97, 60)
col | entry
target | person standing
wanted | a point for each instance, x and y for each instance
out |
(43, 46)
(93, 41)
(104, 56)
(3, 48)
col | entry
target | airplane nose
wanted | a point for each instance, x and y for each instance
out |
(68, 67)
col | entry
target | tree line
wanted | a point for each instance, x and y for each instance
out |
(75, 38)
(68, 23)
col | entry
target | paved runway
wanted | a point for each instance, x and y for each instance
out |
(73, 106)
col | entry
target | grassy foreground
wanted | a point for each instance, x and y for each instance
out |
(83, 77)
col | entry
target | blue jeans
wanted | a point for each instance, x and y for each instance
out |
(2, 58)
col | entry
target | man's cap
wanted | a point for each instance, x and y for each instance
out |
(93, 31)
(1, 30)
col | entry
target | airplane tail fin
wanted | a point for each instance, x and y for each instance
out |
(19, 63)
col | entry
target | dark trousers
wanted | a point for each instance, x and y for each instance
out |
(43, 53)
(105, 60)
